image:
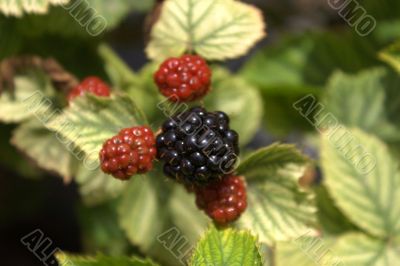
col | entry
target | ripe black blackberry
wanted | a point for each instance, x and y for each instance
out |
(197, 146)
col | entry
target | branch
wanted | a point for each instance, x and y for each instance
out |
(10, 67)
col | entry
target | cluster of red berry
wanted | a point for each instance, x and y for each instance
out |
(92, 85)
(184, 79)
(223, 200)
(131, 151)
(219, 193)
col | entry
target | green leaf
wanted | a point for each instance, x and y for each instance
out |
(332, 220)
(101, 260)
(45, 149)
(306, 251)
(114, 11)
(142, 211)
(367, 100)
(389, 11)
(139, 86)
(100, 231)
(91, 120)
(301, 64)
(186, 216)
(267, 162)
(277, 212)
(386, 31)
(278, 209)
(83, 20)
(227, 247)
(118, 71)
(360, 249)
(239, 100)
(145, 216)
(290, 253)
(95, 186)
(214, 29)
(146, 94)
(363, 179)
(18, 8)
(13, 43)
(58, 21)
(391, 55)
(281, 118)
(27, 99)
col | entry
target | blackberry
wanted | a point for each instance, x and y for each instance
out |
(223, 200)
(184, 79)
(131, 151)
(197, 146)
(92, 85)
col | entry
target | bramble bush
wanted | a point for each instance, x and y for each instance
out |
(141, 198)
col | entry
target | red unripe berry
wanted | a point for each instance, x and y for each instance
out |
(130, 152)
(92, 85)
(223, 200)
(184, 79)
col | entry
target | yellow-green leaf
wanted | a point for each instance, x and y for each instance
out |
(239, 100)
(95, 186)
(367, 101)
(18, 8)
(186, 216)
(363, 179)
(391, 55)
(278, 209)
(27, 99)
(45, 149)
(141, 214)
(101, 260)
(144, 216)
(215, 29)
(306, 251)
(118, 71)
(358, 249)
(266, 163)
(332, 221)
(91, 120)
(227, 247)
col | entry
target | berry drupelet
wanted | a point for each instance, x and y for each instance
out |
(223, 200)
(184, 79)
(131, 151)
(197, 146)
(92, 85)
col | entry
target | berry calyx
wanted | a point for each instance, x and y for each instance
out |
(184, 79)
(224, 200)
(131, 151)
(92, 85)
(197, 146)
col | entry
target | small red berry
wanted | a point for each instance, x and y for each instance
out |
(184, 79)
(92, 85)
(131, 151)
(223, 200)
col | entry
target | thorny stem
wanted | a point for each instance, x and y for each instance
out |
(10, 67)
